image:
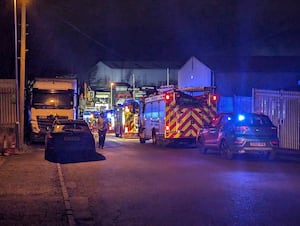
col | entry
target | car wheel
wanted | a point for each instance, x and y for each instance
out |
(272, 155)
(225, 150)
(142, 136)
(201, 147)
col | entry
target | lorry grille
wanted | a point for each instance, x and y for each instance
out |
(44, 122)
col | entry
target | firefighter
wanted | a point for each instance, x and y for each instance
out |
(102, 126)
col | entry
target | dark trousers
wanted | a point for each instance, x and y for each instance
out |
(102, 134)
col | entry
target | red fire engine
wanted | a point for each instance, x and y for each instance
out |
(126, 119)
(174, 116)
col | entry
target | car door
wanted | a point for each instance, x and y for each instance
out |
(215, 130)
(212, 131)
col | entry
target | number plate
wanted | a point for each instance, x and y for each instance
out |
(71, 138)
(258, 144)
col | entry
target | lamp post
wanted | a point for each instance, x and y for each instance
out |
(111, 95)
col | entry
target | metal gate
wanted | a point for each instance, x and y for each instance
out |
(283, 108)
(7, 103)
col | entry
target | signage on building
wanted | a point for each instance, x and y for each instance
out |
(91, 95)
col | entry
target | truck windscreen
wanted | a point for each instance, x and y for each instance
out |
(61, 100)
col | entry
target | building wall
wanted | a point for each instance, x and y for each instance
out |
(194, 74)
(102, 76)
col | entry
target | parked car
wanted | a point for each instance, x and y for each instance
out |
(239, 134)
(67, 138)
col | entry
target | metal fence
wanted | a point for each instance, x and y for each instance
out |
(283, 108)
(7, 103)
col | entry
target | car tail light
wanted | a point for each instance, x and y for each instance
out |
(49, 136)
(239, 142)
(275, 142)
(241, 129)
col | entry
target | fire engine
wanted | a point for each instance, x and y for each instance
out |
(175, 116)
(126, 119)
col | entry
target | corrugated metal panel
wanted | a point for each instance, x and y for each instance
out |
(7, 104)
(283, 108)
(225, 104)
(235, 104)
(242, 103)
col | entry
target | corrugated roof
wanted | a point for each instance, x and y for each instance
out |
(143, 64)
(222, 64)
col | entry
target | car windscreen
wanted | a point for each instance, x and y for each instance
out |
(252, 120)
(52, 100)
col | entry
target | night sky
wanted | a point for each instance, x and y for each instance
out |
(69, 36)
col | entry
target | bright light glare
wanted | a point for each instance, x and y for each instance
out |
(241, 117)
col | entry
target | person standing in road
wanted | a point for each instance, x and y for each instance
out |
(102, 126)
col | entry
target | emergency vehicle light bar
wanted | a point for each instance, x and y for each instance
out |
(197, 89)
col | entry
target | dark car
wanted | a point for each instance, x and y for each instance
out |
(238, 134)
(67, 138)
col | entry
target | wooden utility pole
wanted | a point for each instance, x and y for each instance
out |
(22, 71)
(17, 78)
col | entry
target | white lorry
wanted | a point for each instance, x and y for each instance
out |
(51, 98)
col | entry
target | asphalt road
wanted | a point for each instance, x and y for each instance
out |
(128, 183)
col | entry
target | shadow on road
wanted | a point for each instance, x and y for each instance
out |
(65, 159)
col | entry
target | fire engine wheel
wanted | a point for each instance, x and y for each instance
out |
(142, 140)
(225, 150)
(154, 138)
(201, 147)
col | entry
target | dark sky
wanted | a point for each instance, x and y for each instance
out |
(69, 36)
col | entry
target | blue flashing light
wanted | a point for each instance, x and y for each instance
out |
(109, 115)
(241, 117)
(229, 118)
